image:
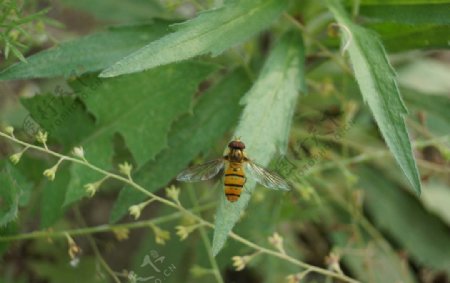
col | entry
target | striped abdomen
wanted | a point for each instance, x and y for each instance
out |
(234, 180)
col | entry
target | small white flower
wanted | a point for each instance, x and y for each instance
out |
(125, 168)
(92, 188)
(182, 232)
(135, 211)
(121, 233)
(9, 130)
(50, 173)
(42, 137)
(239, 262)
(15, 158)
(78, 152)
(161, 236)
(277, 241)
(173, 192)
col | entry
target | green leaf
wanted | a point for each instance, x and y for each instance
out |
(377, 82)
(140, 107)
(67, 122)
(87, 54)
(15, 189)
(53, 198)
(63, 117)
(266, 121)
(210, 32)
(401, 37)
(410, 225)
(216, 111)
(410, 14)
(9, 198)
(118, 10)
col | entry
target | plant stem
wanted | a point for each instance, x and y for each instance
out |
(184, 211)
(95, 249)
(292, 260)
(100, 228)
(203, 235)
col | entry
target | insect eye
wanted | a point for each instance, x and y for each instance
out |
(236, 145)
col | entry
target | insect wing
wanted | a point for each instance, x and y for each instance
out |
(201, 172)
(266, 178)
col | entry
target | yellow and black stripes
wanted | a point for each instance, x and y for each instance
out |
(234, 180)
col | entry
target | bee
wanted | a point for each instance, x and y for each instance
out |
(234, 165)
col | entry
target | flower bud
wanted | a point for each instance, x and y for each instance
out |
(173, 193)
(125, 168)
(50, 173)
(239, 262)
(78, 152)
(161, 236)
(41, 137)
(15, 158)
(9, 130)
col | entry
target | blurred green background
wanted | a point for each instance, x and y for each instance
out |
(351, 210)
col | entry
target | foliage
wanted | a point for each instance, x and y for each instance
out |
(71, 59)
(17, 29)
(347, 100)
(204, 34)
(265, 121)
(376, 79)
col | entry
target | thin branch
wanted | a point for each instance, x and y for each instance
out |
(94, 247)
(185, 211)
(203, 235)
(100, 228)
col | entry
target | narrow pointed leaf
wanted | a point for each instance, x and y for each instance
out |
(86, 54)
(210, 32)
(377, 82)
(265, 123)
